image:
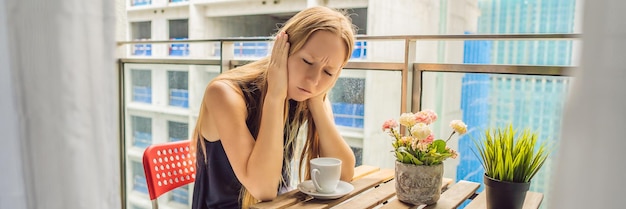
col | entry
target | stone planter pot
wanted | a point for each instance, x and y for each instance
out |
(418, 184)
(504, 194)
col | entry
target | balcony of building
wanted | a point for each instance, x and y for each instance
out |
(80, 111)
(160, 95)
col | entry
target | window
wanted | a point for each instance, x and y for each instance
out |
(142, 131)
(178, 88)
(347, 98)
(141, 31)
(180, 195)
(140, 2)
(139, 178)
(142, 86)
(177, 131)
(358, 155)
(179, 30)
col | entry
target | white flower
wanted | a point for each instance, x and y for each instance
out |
(458, 126)
(421, 131)
(407, 119)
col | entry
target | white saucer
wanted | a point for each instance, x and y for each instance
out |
(343, 188)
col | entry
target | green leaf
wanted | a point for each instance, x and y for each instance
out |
(415, 160)
(508, 155)
(440, 145)
(399, 156)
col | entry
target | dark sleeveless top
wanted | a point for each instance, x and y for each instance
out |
(216, 185)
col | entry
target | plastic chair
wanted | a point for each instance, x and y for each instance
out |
(168, 166)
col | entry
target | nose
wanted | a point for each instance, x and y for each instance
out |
(313, 76)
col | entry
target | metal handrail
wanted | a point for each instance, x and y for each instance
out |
(392, 37)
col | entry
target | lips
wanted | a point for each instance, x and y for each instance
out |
(302, 89)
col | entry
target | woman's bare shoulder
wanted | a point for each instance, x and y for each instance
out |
(223, 103)
(224, 93)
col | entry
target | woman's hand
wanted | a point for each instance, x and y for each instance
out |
(277, 79)
(316, 101)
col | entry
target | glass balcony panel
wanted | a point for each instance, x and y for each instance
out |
(485, 101)
(362, 100)
(161, 120)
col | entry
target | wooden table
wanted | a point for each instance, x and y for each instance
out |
(375, 188)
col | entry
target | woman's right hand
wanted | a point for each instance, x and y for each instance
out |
(277, 79)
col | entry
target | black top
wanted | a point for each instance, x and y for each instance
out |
(216, 185)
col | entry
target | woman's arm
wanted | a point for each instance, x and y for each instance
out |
(331, 142)
(256, 163)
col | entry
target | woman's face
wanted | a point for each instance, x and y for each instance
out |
(315, 67)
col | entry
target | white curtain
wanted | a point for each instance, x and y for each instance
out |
(58, 100)
(592, 161)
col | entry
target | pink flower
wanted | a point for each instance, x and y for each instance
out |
(423, 117)
(429, 139)
(421, 146)
(431, 114)
(389, 124)
(406, 140)
(453, 153)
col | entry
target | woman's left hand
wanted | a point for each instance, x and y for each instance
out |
(316, 100)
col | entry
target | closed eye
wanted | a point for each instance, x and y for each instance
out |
(307, 62)
(310, 63)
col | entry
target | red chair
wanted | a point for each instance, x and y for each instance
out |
(168, 166)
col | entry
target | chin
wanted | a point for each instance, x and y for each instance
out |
(297, 96)
(298, 99)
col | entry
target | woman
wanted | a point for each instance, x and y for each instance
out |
(250, 116)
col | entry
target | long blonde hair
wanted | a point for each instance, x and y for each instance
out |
(300, 27)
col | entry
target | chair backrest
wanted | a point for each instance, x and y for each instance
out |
(168, 166)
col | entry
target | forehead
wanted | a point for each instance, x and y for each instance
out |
(327, 47)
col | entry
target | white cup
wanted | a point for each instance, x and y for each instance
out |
(325, 174)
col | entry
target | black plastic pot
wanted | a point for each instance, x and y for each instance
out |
(504, 194)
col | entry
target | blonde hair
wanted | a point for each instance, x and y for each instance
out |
(299, 28)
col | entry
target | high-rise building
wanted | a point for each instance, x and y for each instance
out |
(535, 102)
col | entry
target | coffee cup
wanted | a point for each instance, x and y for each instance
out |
(325, 174)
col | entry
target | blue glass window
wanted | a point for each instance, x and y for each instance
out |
(142, 131)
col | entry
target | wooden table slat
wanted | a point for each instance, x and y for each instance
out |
(396, 204)
(293, 197)
(371, 198)
(363, 170)
(364, 183)
(532, 201)
(283, 201)
(452, 198)
(456, 195)
(445, 183)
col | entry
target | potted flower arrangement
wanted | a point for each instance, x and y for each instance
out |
(419, 156)
(510, 161)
